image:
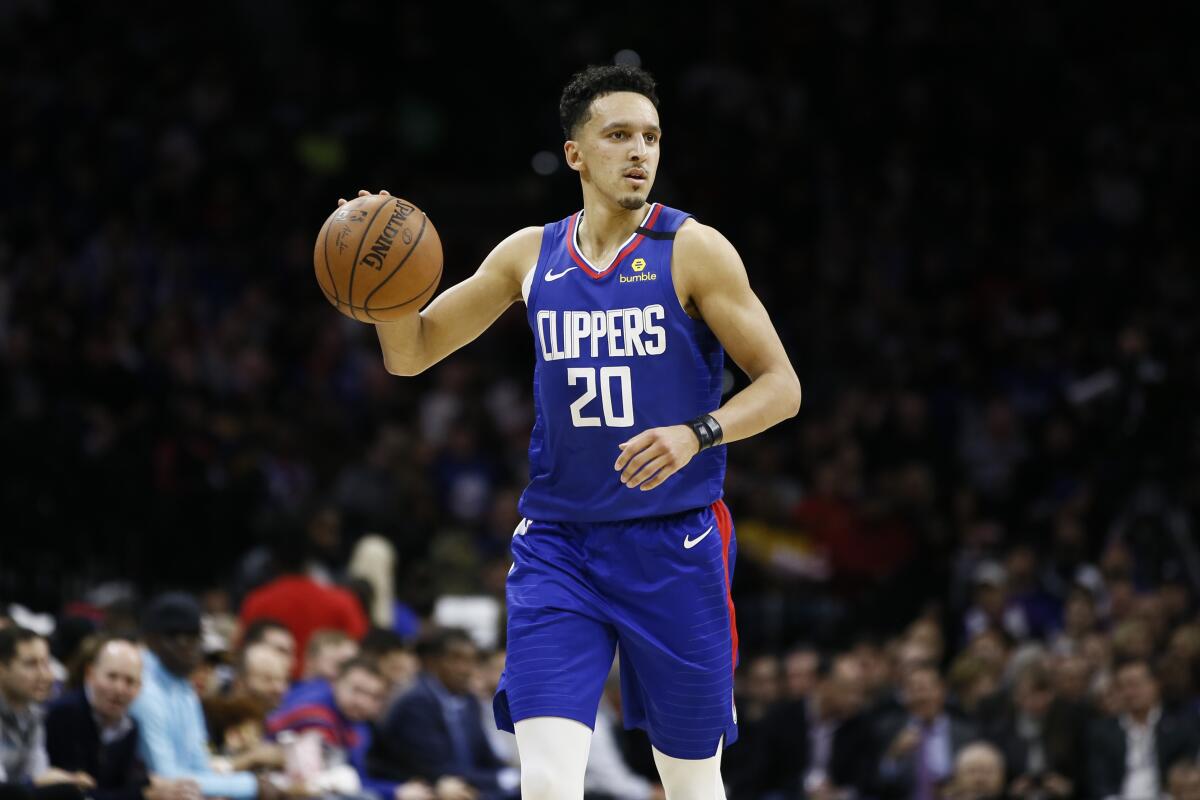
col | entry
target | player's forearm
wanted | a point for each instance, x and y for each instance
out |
(769, 399)
(403, 345)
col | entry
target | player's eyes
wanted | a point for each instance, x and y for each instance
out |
(650, 137)
(617, 134)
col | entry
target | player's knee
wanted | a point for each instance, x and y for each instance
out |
(543, 781)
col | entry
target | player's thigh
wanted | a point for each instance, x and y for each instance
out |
(677, 635)
(560, 646)
(554, 755)
(691, 779)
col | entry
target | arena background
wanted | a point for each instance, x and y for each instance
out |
(972, 223)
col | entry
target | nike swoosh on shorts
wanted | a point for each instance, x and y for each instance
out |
(689, 543)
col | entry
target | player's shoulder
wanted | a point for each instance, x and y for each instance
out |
(701, 246)
(515, 253)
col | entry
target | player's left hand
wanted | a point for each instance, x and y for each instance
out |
(654, 455)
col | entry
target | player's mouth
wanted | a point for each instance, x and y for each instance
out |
(636, 176)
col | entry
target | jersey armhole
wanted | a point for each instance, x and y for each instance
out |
(549, 240)
(672, 297)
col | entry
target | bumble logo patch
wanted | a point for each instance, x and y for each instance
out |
(638, 266)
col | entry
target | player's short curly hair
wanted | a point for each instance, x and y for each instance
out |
(596, 81)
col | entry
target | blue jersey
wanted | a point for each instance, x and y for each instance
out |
(616, 355)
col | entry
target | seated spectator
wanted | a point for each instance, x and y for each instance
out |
(25, 683)
(1183, 781)
(327, 651)
(274, 634)
(1129, 754)
(342, 712)
(89, 730)
(396, 661)
(1042, 738)
(435, 730)
(171, 729)
(237, 719)
(978, 774)
(836, 737)
(299, 601)
(919, 745)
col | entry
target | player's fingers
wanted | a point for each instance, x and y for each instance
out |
(363, 193)
(660, 476)
(648, 471)
(385, 193)
(342, 201)
(631, 448)
(640, 460)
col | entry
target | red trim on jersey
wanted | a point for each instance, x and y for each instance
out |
(725, 526)
(629, 248)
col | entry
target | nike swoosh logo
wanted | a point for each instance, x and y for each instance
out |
(550, 276)
(689, 543)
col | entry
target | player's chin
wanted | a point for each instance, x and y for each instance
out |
(632, 202)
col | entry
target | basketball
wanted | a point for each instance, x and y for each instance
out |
(378, 258)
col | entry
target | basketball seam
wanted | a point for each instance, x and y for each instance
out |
(368, 311)
(358, 252)
(411, 250)
(329, 269)
(412, 299)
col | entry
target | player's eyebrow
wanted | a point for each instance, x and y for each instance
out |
(620, 124)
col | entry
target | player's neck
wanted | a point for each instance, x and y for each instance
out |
(605, 226)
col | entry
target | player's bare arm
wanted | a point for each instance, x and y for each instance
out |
(460, 314)
(712, 284)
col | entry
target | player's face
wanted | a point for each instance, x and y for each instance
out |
(618, 147)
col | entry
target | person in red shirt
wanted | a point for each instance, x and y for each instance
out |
(300, 602)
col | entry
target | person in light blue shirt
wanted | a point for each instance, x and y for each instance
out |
(173, 739)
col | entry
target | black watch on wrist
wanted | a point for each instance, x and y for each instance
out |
(707, 429)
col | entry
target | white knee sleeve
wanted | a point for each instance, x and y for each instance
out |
(554, 754)
(691, 779)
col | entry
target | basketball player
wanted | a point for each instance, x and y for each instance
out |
(625, 544)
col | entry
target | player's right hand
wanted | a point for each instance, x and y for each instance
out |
(363, 193)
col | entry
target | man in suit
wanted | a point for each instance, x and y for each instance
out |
(90, 731)
(1041, 738)
(1129, 755)
(920, 744)
(435, 729)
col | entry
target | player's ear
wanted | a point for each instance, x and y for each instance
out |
(573, 156)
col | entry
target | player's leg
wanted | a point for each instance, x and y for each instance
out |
(554, 754)
(691, 779)
(669, 595)
(559, 651)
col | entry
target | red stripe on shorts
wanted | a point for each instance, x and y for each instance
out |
(725, 526)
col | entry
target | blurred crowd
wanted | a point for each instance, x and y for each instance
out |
(967, 221)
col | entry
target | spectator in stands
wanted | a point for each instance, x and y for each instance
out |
(1042, 738)
(435, 730)
(836, 736)
(326, 652)
(302, 603)
(397, 662)
(237, 719)
(25, 683)
(920, 745)
(171, 729)
(89, 730)
(273, 633)
(1129, 754)
(1183, 781)
(341, 712)
(978, 774)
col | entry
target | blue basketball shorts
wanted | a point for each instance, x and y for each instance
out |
(656, 591)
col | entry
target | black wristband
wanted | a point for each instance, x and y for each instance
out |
(707, 429)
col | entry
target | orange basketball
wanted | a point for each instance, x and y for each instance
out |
(378, 258)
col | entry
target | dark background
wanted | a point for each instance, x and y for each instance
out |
(972, 223)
